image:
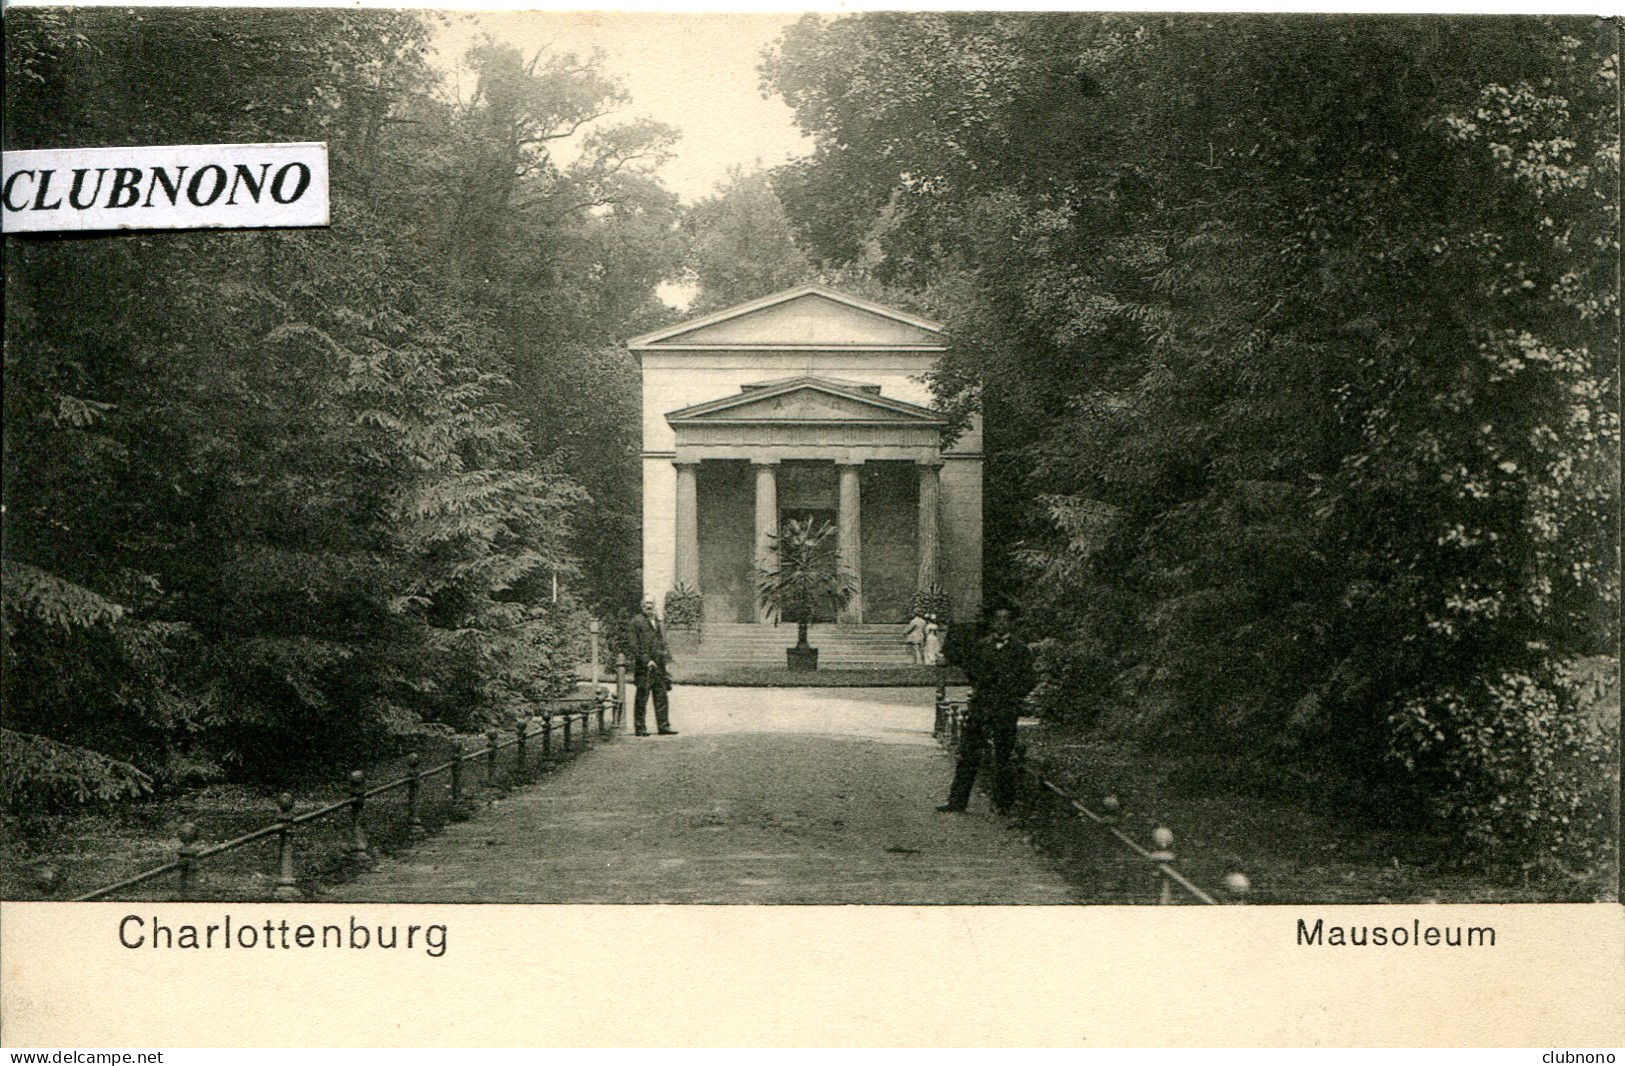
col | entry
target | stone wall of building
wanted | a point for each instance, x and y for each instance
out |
(659, 527)
(961, 527)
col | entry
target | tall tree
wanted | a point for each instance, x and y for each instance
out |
(565, 234)
(278, 499)
(740, 244)
(1297, 364)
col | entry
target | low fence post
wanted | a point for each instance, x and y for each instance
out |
(567, 718)
(414, 781)
(942, 677)
(186, 855)
(358, 803)
(287, 886)
(1163, 838)
(603, 700)
(491, 738)
(457, 777)
(620, 691)
(547, 734)
(521, 728)
(595, 628)
(586, 727)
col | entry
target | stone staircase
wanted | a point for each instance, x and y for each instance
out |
(724, 645)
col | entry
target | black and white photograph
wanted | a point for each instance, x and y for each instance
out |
(885, 458)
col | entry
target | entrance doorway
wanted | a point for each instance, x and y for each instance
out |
(809, 488)
(818, 517)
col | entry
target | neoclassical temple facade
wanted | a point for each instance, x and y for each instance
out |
(806, 402)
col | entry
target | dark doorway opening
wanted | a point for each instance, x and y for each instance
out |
(819, 518)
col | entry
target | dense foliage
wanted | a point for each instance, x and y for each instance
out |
(933, 603)
(279, 499)
(685, 608)
(1297, 344)
(740, 246)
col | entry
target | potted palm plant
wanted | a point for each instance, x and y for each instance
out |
(685, 609)
(806, 578)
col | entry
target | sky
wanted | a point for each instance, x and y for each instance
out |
(693, 71)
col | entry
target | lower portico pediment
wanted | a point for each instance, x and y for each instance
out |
(807, 399)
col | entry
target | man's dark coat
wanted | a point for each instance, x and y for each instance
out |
(646, 643)
(1000, 679)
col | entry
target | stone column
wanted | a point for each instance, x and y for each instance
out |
(767, 521)
(849, 535)
(930, 503)
(686, 571)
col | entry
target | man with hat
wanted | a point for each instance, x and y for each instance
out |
(1000, 670)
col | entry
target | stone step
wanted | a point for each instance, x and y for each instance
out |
(774, 653)
(780, 659)
(843, 645)
(766, 654)
(777, 656)
(874, 645)
(816, 627)
(757, 649)
(878, 645)
(790, 637)
(842, 633)
(840, 627)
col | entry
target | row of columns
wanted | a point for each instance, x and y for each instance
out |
(849, 524)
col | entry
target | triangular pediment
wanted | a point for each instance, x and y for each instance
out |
(808, 399)
(807, 317)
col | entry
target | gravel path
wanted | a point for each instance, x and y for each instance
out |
(806, 796)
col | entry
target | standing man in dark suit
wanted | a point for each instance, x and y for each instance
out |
(646, 638)
(1000, 670)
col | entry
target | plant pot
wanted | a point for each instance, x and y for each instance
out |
(801, 660)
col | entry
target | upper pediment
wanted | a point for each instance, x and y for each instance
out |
(807, 399)
(807, 317)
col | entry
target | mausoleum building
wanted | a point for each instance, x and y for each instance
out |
(806, 402)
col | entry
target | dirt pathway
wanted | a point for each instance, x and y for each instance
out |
(809, 796)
